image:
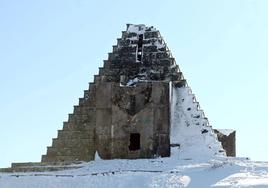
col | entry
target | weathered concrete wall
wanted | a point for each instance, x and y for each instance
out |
(103, 119)
(105, 124)
(143, 109)
(161, 114)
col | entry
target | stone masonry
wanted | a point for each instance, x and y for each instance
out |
(125, 113)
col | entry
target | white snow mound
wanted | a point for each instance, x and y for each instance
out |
(160, 172)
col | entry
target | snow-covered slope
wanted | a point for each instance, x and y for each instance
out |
(190, 128)
(160, 172)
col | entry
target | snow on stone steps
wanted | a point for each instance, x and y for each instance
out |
(190, 128)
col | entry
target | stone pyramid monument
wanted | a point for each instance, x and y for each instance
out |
(139, 106)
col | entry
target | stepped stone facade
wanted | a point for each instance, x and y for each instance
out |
(125, 113)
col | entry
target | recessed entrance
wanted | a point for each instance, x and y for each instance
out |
(134, 141)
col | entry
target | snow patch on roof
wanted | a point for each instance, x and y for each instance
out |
(139, 29)
(159, 45)
(132, 82)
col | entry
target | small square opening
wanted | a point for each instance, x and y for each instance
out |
(134, 141)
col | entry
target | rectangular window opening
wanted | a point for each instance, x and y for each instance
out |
(134, 141)
(140, 41)
(139, 49)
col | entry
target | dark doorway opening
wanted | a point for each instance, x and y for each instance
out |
(134, 142)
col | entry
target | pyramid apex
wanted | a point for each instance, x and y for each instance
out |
(138, 28)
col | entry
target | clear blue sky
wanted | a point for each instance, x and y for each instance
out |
(50, 50)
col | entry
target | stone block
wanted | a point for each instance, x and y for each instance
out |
(74, 142)
(160, 94)
(103, 95)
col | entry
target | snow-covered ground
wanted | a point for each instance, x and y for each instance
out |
(160, 172)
